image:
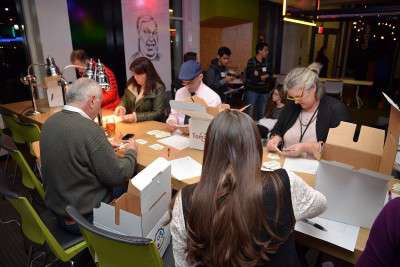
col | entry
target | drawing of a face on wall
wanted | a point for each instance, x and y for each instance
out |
(147, 29)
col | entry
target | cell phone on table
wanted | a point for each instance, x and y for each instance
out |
(128, 136)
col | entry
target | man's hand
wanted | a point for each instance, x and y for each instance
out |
(130, 144)
(171, 124)
(120, 111)
(228, 79)
(264, 77)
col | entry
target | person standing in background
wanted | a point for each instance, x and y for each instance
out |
(258, 73)
(324, 61)
(217, 76)
(110, 97)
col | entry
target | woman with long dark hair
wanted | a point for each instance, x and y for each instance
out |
(238, 215)
(144, 96)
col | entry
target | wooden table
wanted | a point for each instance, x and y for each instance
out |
(146, 155)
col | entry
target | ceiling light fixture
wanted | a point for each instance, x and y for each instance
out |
(303, 22)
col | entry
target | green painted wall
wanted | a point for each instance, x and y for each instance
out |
(238, 9)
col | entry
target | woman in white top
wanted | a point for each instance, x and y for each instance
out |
(238, 215)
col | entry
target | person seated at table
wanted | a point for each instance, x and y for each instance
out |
(217, 76)
(238, 215)
(79, 165)
(110, 96)
(383, 243)
(191, 76)
(275, 105)
(144, 97)
(305, 121)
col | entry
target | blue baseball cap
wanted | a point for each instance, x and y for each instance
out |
(189, 70)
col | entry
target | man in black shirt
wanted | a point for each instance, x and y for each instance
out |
(258, 73)
(217, 76)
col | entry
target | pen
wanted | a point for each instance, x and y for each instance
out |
(316, 225)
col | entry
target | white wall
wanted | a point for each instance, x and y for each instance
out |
(159, 10)
(295, 46)
(55, 33)
(191, 26)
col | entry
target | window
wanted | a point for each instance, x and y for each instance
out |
(176, 33)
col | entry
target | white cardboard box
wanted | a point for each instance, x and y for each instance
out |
(354, 196)
(200, 118)
(143, 210)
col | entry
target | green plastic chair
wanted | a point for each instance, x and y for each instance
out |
(21, 132)
(114, 250)
(29, 179)
(45, 229)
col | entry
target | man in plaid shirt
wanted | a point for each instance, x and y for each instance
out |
(110, 97)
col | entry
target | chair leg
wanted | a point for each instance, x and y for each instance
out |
(15, 174)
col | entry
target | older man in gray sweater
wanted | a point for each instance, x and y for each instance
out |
(79, 165)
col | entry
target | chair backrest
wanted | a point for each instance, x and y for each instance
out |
(32, 225)
(333, 87)
(10, 122)
(29, 178)
(114, 250)
(21, 132)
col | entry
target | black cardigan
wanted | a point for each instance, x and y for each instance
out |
(331, 112)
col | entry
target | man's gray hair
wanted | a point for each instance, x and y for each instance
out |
(307, 77)
(81, 89)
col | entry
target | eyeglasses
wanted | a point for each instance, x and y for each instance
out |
(296, 98)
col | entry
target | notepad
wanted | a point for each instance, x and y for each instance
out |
(185, 168)
(176, 141)
(339, 234)
(301, 165)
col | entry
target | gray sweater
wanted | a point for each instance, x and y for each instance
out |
(79, 165)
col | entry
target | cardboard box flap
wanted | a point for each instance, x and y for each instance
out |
(371, 140)
(392, 138)
(151, 183)
(195, 110)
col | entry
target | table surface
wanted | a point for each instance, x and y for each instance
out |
(146, 155)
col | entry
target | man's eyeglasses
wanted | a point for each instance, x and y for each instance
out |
(296, 98)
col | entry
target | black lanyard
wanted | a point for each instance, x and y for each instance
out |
(308, 124)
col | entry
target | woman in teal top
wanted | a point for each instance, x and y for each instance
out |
(144, 96)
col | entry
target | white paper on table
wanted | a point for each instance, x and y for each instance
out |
(176, 141)
(301, 165)
(185, 168)
(339, 234)
(267, 123)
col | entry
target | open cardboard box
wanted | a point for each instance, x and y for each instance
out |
(360, 170)
(371, 151)
(143, 210)
(200, 117)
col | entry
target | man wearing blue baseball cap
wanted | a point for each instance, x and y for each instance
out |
(192, 80)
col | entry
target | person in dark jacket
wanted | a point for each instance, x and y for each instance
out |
(217, 76)
(144, 96)
(305, 122)
(383, 244)
(258, 72)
